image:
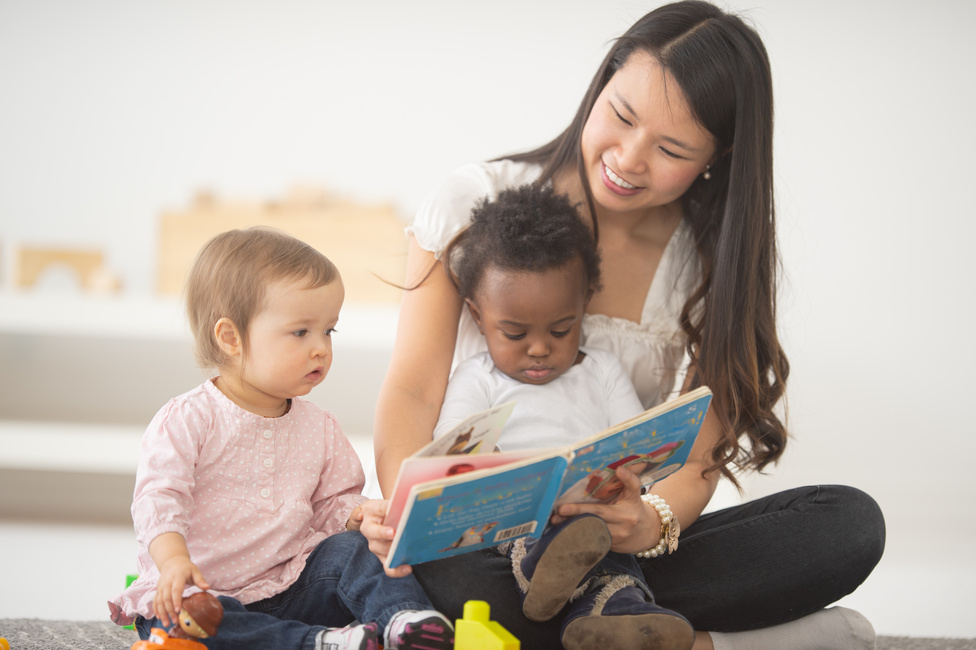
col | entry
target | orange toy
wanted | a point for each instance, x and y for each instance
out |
(160, 640)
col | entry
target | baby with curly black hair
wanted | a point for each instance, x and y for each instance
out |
(526, 266)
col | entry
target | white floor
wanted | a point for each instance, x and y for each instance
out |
(58, 571)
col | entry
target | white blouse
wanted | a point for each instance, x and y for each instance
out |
(652, 351)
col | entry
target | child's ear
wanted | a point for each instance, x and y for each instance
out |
(475, 314)
(227, 337)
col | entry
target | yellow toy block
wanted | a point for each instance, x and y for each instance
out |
(476, 632)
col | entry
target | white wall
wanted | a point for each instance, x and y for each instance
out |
(114, 110)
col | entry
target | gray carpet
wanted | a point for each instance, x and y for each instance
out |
(38, 634)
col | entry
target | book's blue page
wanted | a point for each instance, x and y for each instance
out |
(652, 449)
(451, 518)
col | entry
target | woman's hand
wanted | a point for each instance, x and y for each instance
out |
(174, 575)
(380, 536)
(633, 526)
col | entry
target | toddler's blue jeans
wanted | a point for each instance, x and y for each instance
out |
(342, 582)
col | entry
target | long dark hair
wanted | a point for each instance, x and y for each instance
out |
(722, 68)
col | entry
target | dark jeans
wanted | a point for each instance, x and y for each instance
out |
(758, 564)
(342, 582)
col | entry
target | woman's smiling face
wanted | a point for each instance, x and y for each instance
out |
(641, 145)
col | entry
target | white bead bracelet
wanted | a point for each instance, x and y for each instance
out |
(669, 528)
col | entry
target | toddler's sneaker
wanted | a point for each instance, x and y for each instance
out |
(419, 630)
(351, 637)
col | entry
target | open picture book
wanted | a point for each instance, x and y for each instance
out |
(458, 495)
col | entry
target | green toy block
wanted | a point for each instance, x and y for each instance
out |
(476, 632)
(129, 579)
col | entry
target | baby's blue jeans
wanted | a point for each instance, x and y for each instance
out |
(342, 582)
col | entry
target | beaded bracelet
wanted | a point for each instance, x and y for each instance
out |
(669, 528)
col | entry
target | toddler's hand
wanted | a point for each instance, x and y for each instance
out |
(380, 536)
(174, 575)
(355, 518)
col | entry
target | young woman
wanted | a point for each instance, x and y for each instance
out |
(670, 156)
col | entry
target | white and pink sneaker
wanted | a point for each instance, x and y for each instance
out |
(419, 630)
(351, 637)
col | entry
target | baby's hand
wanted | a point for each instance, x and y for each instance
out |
(380, 536)
(355, 518)
(174, 575)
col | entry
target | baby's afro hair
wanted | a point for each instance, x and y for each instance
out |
(525, 229)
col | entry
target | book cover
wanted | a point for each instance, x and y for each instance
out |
(443, 506)
(474, 438)
(449, 517)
